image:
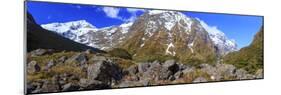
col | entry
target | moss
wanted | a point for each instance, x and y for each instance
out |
(123, 63)
(69, 69)
(38, 76)
(119, 52)
(189, 77)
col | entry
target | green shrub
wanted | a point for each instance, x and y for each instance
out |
(121, 53)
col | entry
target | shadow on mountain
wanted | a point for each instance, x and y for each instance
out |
(38, 37)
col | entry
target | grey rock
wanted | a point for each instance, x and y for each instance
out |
(89, 51)
(70, 87)
(219, 71)
(199, 79)
(104, 71)
(143, 67)
(241, 74)
(92, 84)
(259, 73)
(133, 70)
(33, 67)
(178, 74)
(39, 52)
(37, 91)
(62, 59)
(155, 64)
(50, 87)
(49, 65)
(188, 70)
(226, 69)
(80, 58)
(164, 74)
(171, 66)
(133, 83)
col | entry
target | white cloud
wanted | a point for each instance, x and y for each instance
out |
(79, 7)
(112, 12)
(133, 10)
(49, 17)
(133, 13)
(210, 29)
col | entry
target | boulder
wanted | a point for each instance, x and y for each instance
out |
(171, 66)
(104, 71)
(62, 59)
(143, 67)
(259, 73)
(49, 86)
(33, 67)
(133, 83)
(199, 79)
(133, 70)
(226, 69)
(70, 87)
(80, 58)
(188, 70)
(241, 74)
(49, 65)
(89, 51)
(92, 84)
(39, 52)
(178, 74)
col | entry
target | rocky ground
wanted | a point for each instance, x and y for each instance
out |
(53, 71)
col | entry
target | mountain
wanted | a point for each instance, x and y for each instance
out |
(223, 44)
(165, 33)
(169, 34)
(38, 37)
(83, 32)
(74, 30)
(249, 58)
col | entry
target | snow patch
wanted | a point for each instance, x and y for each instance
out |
(190, 46)
(125, 27)
(142, 45)
(171, 45)
(153, 12)
(169, 19)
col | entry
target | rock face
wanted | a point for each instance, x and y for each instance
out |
(200, 79)
(104, 71)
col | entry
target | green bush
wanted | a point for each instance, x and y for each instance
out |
(121, 53)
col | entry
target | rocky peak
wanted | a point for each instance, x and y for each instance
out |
(165, 19)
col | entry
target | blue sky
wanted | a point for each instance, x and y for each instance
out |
(240, 28)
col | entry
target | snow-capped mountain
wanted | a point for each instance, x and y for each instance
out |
(223, 44)
(83, 32)
(171, 33)
(74, 30)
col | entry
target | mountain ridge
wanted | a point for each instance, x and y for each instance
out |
(168, 25)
